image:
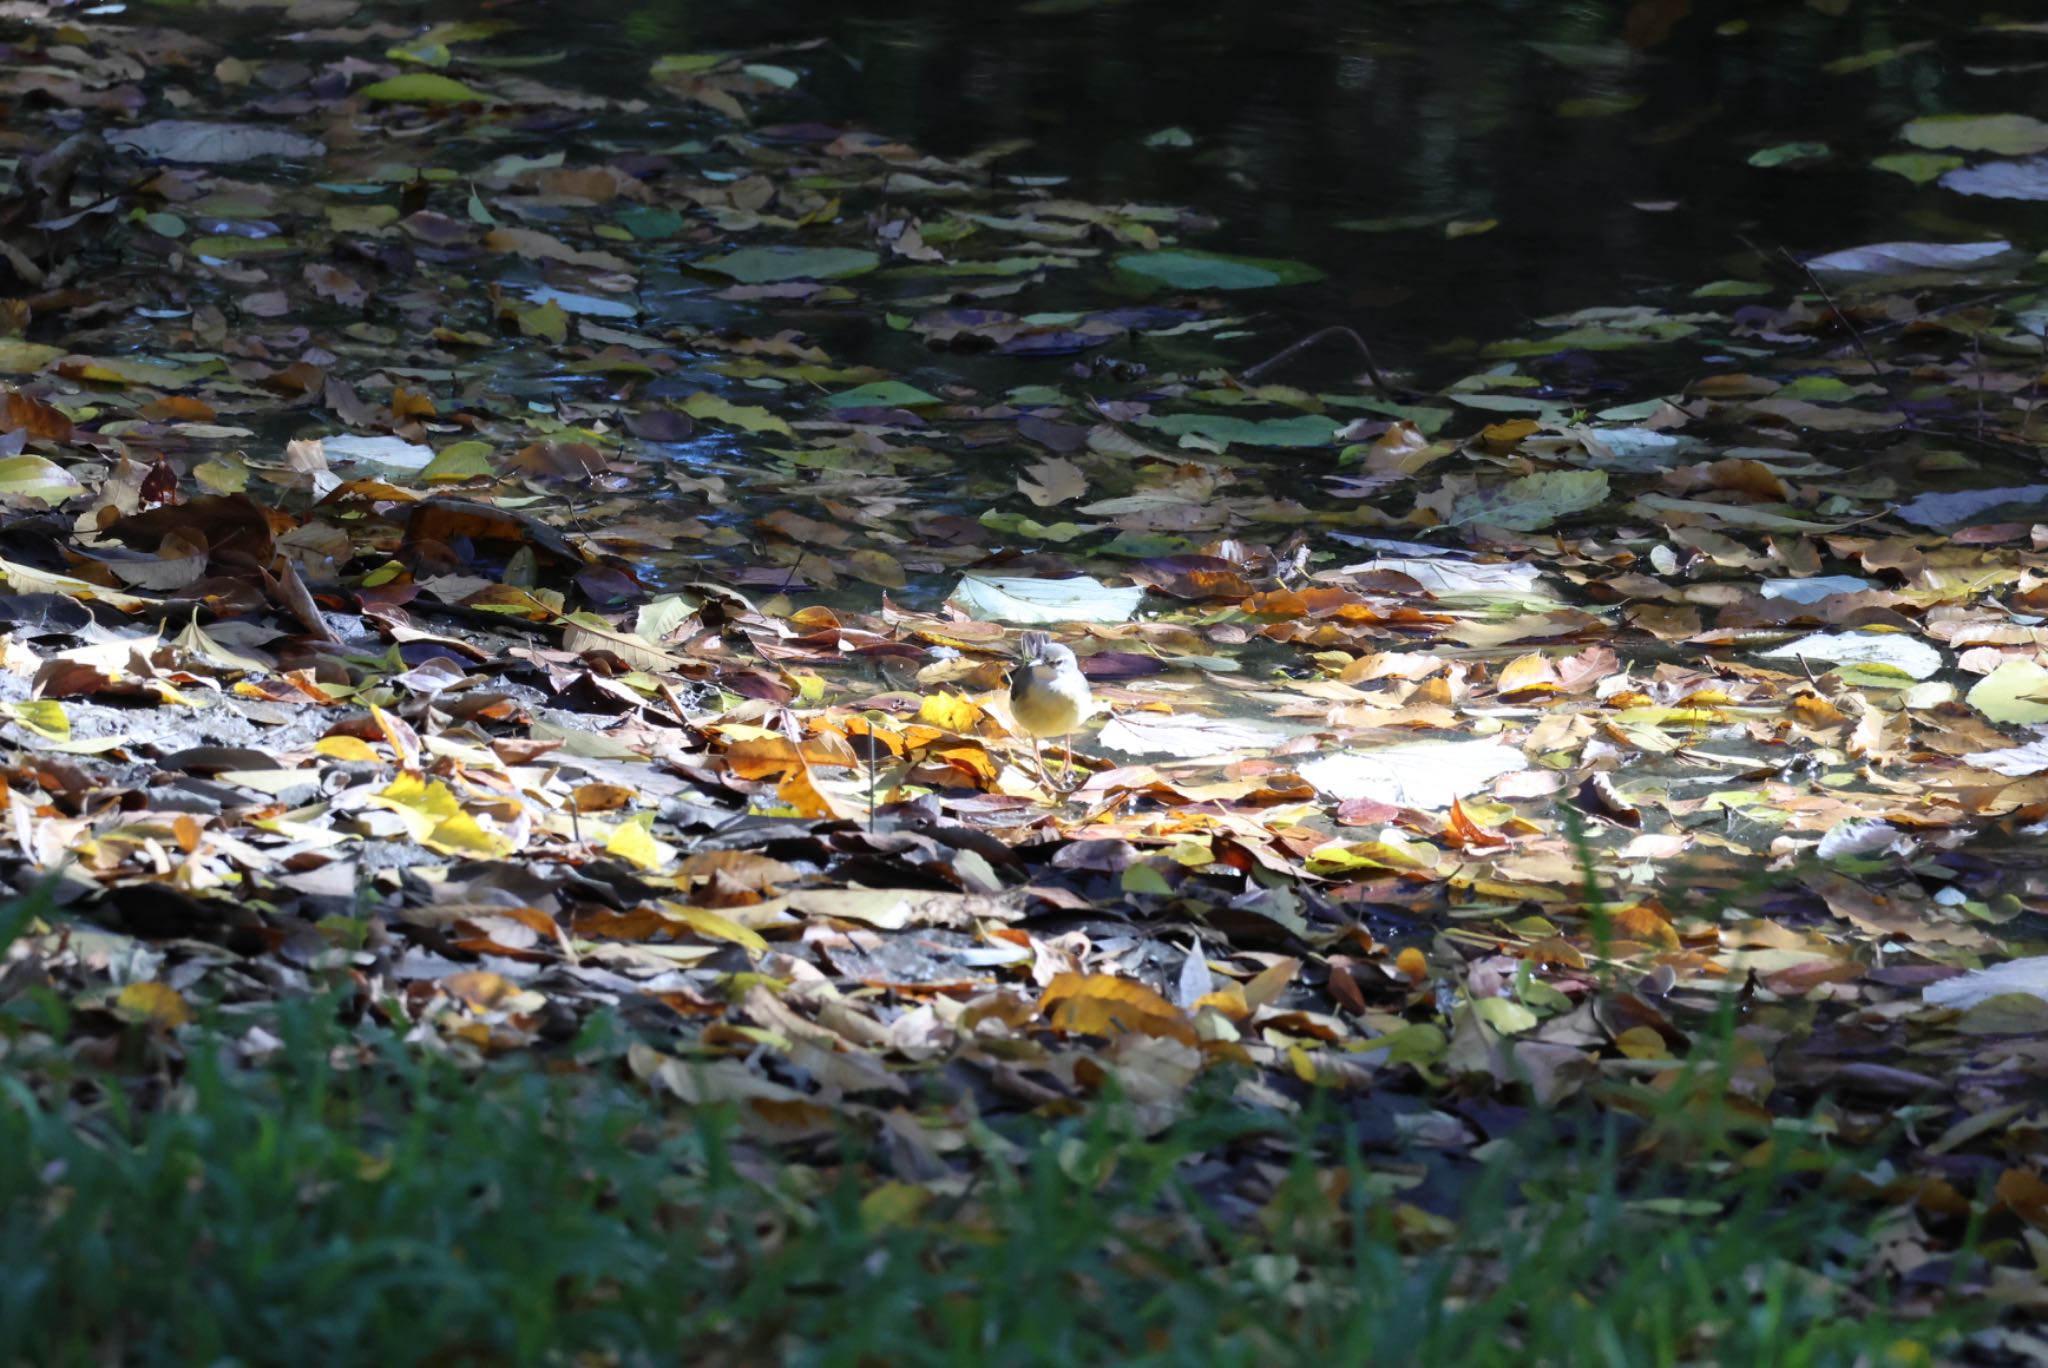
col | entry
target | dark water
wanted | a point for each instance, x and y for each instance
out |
(1305, 116)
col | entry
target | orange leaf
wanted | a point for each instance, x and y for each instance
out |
(1105, 1005)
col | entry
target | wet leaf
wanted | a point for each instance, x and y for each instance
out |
(1080, 598)
(2005, 134)
(424, 87)
(1187, 269)
(766, 265)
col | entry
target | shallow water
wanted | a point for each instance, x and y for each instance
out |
(1306, 117)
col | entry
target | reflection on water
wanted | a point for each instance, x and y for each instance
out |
(1616, 173)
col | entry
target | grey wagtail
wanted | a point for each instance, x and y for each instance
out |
(1049, 695)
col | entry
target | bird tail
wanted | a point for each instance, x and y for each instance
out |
(1032, 645)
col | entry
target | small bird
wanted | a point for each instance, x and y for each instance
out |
(1049, 695)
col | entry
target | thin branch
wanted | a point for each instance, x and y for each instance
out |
(1836, 309)
(1372, 369)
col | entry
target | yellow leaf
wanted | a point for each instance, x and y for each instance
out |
(462, 834)
(43, 716)
(1529, 673)
(705, 922)
(422, 806)
(892, 1205)
(1105, 1005)
(156, 1003)
(1262, 990)
(878, 568)
(1500, 437)
(950, 712)
(1641, 1042)
(346, 748)
(636, 845)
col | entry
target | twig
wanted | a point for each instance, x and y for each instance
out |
(1836, 309)
(1977, 373)
(1372, 369)
(2033, 395)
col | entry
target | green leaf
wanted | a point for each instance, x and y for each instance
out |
(2015, 692)
(226, 247)
(23, 358)
(646, 222)
(1504, 1014)
(361, 218)
(425, 87)
(1731, 289)
(882, 394)
(1301, 430)
(1428, 420)
(43, 716)
(1533, 502)
(1917, 167)
(32, 477)
(1186, 269)
(714, 409)
(460, 461)
(1787, 154)
(686, 63)
(2009, 135)
(767, 265)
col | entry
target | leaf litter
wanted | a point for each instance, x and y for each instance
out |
(471, 574)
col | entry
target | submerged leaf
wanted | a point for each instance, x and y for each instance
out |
(767, 265)
(1184, 268)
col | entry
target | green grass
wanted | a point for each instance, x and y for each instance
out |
(402, 1211)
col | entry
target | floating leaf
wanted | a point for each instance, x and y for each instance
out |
(1186, 269)
(882, 394)
(1299, 430)
(1034, 601)
(709, 407)
(2016, 692)
(2019, 180)
(1424, 774)
(768, 265)
(1910, 656)
(32, 477)
(2028, 976)
(1787, 154)
(1533, 502)
(424, 87)
(1917, 167)
(2009, 135)
(43, 716)
(459, 461)
(196, 141)
(1896, 257)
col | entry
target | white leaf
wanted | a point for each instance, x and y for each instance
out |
(1815, 588)
(190, 140)
(1865, 837)
(2029, 976)
(1908, 256)
(1186, 736)
(993, 598)
(395, 452)
(1906, 654)
(2016, 762)
(1447, 576)
(1416, 774)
